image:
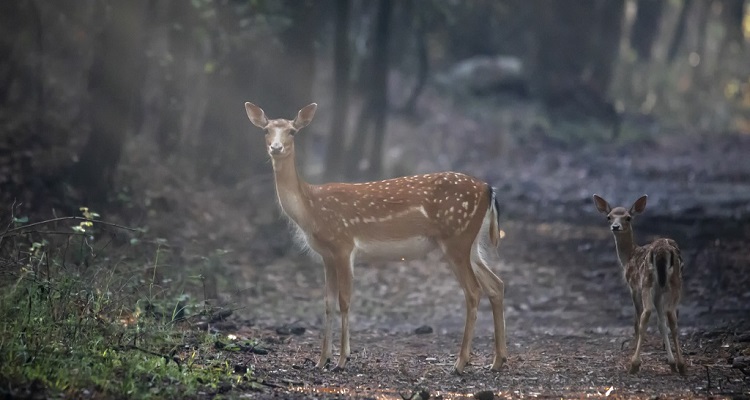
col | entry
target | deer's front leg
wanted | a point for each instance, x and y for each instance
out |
(638, 304)
(331, 279)
(344, 273)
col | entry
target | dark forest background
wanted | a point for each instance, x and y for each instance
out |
(143, 252)
(95, 89)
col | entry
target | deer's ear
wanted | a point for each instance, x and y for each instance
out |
(602, 205)
(256, 115)
(639, 206)
(305, 116)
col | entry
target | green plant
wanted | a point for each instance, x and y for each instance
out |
(91, 326)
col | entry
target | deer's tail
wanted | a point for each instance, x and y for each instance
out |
(494, 217)
(661, 260)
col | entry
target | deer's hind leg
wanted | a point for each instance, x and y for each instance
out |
(459, 258)
(648, 306)
(672, 319)
(661, 319)
(495, 289)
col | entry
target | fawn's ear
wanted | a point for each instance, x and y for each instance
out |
(651, 263)
(305, 116)
(677, 259)
(602, 205)
(256, 115)
(639, 206)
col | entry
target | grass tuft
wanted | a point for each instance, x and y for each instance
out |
(81, 318)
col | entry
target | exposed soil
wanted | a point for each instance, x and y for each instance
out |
(568, 311)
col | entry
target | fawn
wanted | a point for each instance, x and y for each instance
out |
(653, 273)
(393, 219)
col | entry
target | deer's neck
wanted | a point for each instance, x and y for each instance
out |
(292, 191)
(625, 245)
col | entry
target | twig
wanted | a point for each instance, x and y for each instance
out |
(708, 378)
(49, 221)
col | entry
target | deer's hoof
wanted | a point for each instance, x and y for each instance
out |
(458, 367)
(497, 365)
(635, 366)
(681, 368)
(323, 363)
(341, 365)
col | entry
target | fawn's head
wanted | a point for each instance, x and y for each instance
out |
(619, 218)
(280, 132)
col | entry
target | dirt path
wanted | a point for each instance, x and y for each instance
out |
(568, 311)
(568, 315)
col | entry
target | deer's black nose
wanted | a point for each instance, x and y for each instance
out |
(275, 148)
(616, 227)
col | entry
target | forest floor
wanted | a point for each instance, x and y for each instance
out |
(568, 311)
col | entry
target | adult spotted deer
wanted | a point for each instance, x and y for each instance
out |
(653, 273)
(393, 219)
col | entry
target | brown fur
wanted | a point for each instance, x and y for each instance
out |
(641, 266)
(392, 219)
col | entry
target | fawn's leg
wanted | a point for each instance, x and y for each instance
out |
(344, 273)
(648, 305)
(661, 319)
(330, 296)
(672, 318)
(495, 289)
(638, 304)
(460, 260)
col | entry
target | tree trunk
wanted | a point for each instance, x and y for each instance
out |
(606, 44)
(380, 86)
(563, 33)
(646, 27)
(732, 13)
(423, 60)
(572, 62)
(10, 31)
(182, 18)
(341, 67)
(679, 30)
(372, 118)
(299, 50)
(114, 85)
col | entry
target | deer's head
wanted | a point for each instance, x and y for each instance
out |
(620, 218)
(280, 132)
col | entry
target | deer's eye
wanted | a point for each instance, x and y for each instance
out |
(628, 218)
(609, 218)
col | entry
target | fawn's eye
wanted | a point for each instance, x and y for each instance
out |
(609, 218)
(628, 218)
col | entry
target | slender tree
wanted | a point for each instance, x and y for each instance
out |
(341, 68)
(646, 27)
(114, 110)
(372, 119)
(679, 30)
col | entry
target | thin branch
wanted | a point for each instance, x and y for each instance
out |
(20, 228)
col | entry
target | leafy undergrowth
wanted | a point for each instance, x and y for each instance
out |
(86, 312)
